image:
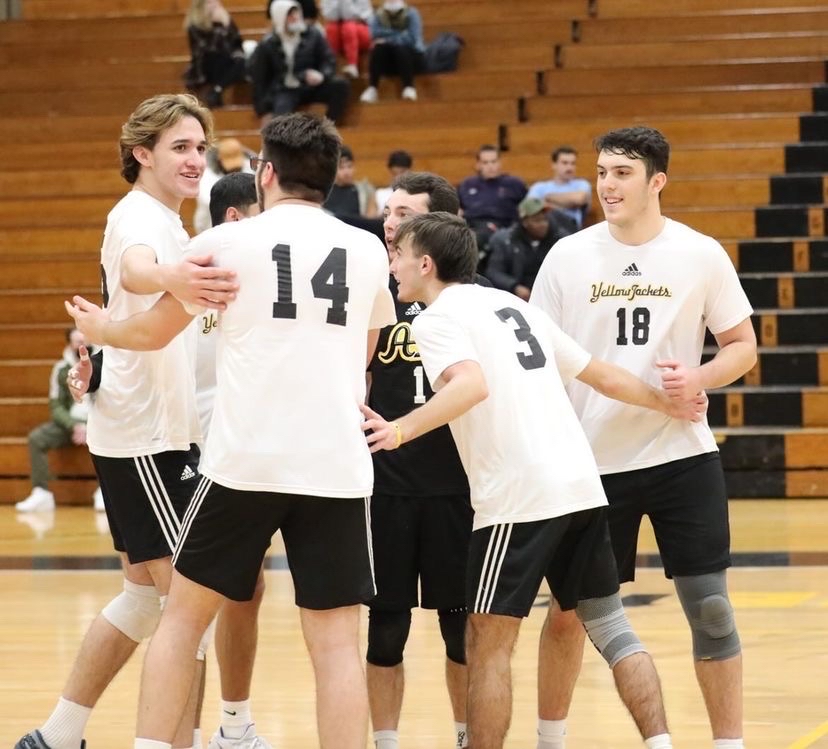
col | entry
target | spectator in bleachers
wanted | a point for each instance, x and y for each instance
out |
(216, 55)
(565, 191)
(294, 65)
(346, 25)
(490, 198)
(67, 426)
(399, 162)
(398, 48)
(227, 157)
(349, 196)
(310, 10)
(516, 253)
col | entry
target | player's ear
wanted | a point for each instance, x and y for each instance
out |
(232, 214)
(142, 155)
(658, 181)
(427, 265)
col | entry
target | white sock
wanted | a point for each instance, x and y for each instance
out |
(150, 744)
(551, 734)
(65, 726)
(461, 731)
(662, 741)
(197, 738)
(235, 718)
(386, 739)
(728, 744)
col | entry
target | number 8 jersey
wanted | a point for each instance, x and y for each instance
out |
(633, 305)
(290, 360)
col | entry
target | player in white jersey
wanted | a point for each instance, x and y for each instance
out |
(142, 425)
(640, 290)
(285, 448)
(498, 367)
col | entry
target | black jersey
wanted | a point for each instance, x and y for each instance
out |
(428, 465)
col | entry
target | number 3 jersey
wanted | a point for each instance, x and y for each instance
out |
(428, 466)
(634, 306)
(525, 453)
(291, 349)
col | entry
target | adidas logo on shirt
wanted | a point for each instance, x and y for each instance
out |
(414, 309)
(632, 270)
(187, 473)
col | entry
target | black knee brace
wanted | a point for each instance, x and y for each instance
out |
(453, 629)
(387, 635)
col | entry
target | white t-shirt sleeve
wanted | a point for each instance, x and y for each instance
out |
(383, 312)
(202, 244)
(134, 229)
(570, 358)
(441, 343)
(726, 304)
(545, 291)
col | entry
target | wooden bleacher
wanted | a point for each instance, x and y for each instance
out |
(738, 88)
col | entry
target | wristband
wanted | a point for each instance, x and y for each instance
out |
(398, 432)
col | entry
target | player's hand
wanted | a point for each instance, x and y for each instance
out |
(383, 433)
(78, 377)
(679, 382)
(194, 281)
(692, 410)
(89, 319)
(79, 434)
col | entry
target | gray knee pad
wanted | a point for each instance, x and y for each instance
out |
(387, 635)
(710, 615)
(453, 629)
(608, 628)
(135, 612)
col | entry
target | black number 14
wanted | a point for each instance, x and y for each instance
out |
(327, 283)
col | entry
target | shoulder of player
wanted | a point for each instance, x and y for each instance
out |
(692, 239)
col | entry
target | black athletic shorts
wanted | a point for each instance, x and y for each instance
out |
(146, 498)
(423, 539)
(686, 501)
(226, 533)
(508, 561)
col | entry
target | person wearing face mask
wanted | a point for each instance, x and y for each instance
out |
(294, 65)
(399, 50)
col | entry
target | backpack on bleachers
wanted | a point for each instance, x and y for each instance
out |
(442, 53)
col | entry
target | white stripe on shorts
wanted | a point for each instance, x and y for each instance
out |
(367, 501)
(200, 492)
(492, 564)
(158, 498)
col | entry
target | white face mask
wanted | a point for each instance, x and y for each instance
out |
(295, 27)
(393, 5)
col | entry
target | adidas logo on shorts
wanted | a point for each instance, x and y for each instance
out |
(632, 270)
(187, 473)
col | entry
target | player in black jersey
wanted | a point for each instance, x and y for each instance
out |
(421, 517)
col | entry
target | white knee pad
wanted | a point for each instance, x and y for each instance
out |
(135, 612)
(206, 639)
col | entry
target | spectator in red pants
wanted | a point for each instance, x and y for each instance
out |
(346, 25)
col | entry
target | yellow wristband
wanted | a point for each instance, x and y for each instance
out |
(398, 432)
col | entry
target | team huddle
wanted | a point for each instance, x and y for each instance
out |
(428, 440)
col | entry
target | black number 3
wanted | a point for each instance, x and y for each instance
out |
(534, 360)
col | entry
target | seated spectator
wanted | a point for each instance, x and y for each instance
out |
(227, 157)
(353, 201)
(399, 162)
(346, 25)
(398, 48)
(294, 65)
(216, 56)
(565, 191)
(516, 254)
(489, 199)
(67, 426)
(310, 11)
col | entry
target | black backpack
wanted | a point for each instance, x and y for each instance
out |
(442, 53)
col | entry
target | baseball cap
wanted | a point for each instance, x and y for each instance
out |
(230, 154)
(529, 207)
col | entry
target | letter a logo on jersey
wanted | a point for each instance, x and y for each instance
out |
(400, 344)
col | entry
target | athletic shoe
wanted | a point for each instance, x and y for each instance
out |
(409, 93)
(39, 500)
(34, 740)
(248, 740)
(97, 500)
(370, 95)
(351, 71)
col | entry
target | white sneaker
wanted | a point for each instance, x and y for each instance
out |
(370, 95)
(40, 500)
(409, 93)
(97, 500)
(248, 740)
(351, 71)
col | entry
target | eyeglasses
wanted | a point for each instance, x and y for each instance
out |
(255, 161)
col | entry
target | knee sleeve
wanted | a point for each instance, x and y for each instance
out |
(453, 630)
(135, 612)
(206, 638)
(608, 628)
(387, 635)
(710, 615)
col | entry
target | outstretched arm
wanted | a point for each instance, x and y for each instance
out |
(144, 331)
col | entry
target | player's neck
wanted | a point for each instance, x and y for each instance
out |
(283, 199)
(434, 289)
(639, 232)
(154, 190)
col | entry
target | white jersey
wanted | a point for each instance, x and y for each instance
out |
(205, 368)
(524, 451)
(633, 306)
(291, 352)
(146, 402)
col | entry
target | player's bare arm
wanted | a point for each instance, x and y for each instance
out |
(144, 331)
(193, 281)
(463, 387)
(617, 383)
(736, 355)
